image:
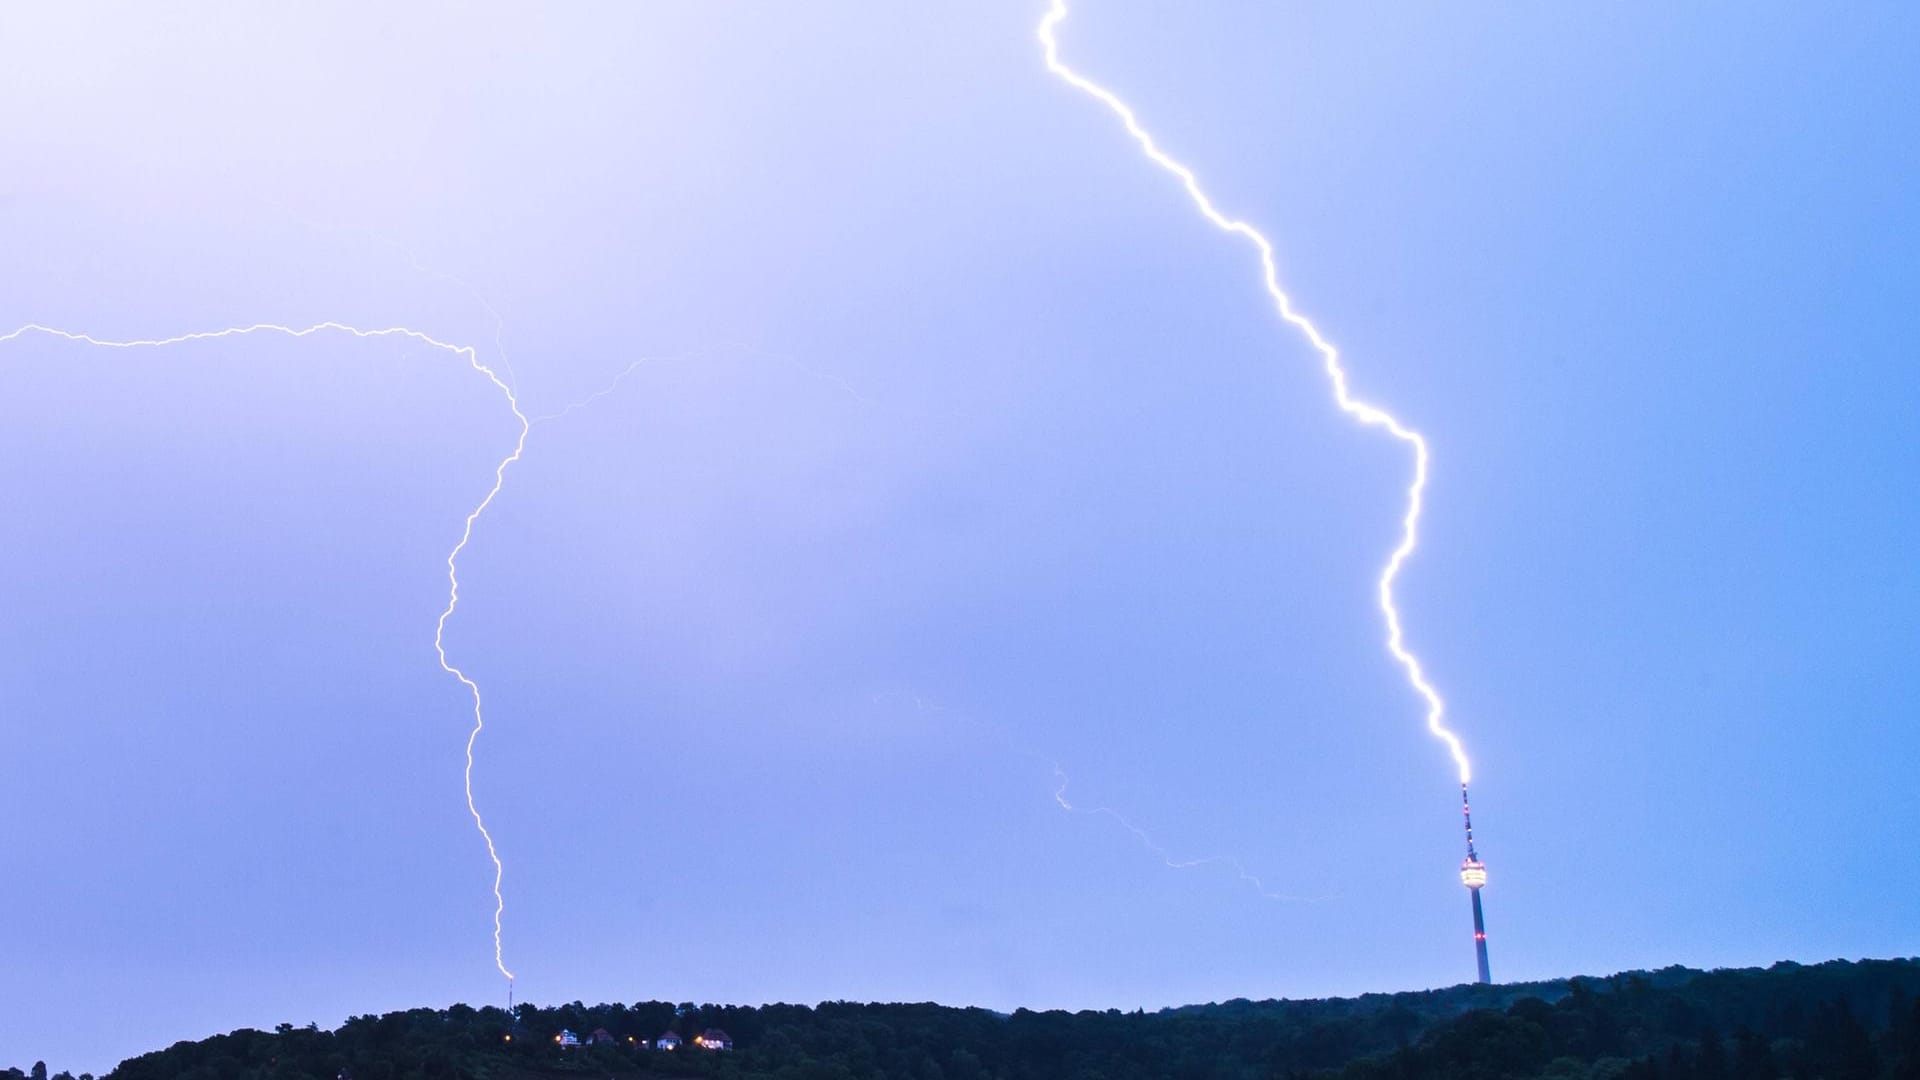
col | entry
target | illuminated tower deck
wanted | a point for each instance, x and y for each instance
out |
(1473, 874)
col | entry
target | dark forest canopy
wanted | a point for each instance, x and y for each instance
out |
(1838, 1021)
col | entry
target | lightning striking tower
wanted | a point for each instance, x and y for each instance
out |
(1473, 873)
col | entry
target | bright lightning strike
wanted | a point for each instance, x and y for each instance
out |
(1366, 413)
(467, 353)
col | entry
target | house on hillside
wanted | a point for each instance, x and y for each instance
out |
(601, 1037)
(667, 1041)
(566, 1039)
(714, 1039)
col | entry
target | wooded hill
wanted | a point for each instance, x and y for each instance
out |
(1832, 1021)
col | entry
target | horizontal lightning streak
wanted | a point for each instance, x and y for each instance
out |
(418, 266)
(467, 353)
(1366, 413)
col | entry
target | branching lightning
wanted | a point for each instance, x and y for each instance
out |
(1061, 781)
(468, 354)
(1366, 413)
(1166, 857)
(612, 385)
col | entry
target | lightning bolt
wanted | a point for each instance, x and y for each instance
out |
(1366, 413)
(467, 353)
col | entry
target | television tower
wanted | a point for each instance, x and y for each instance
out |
(1473, 874)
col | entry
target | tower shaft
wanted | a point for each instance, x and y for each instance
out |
(1473, 874)
(1480, 939)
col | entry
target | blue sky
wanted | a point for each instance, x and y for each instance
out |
(963, 451)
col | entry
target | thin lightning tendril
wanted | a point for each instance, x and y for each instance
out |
(731, 347)
(1366, 413)
(472, 357)
(613, 385)
(1061, 781)
(1147, 841)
